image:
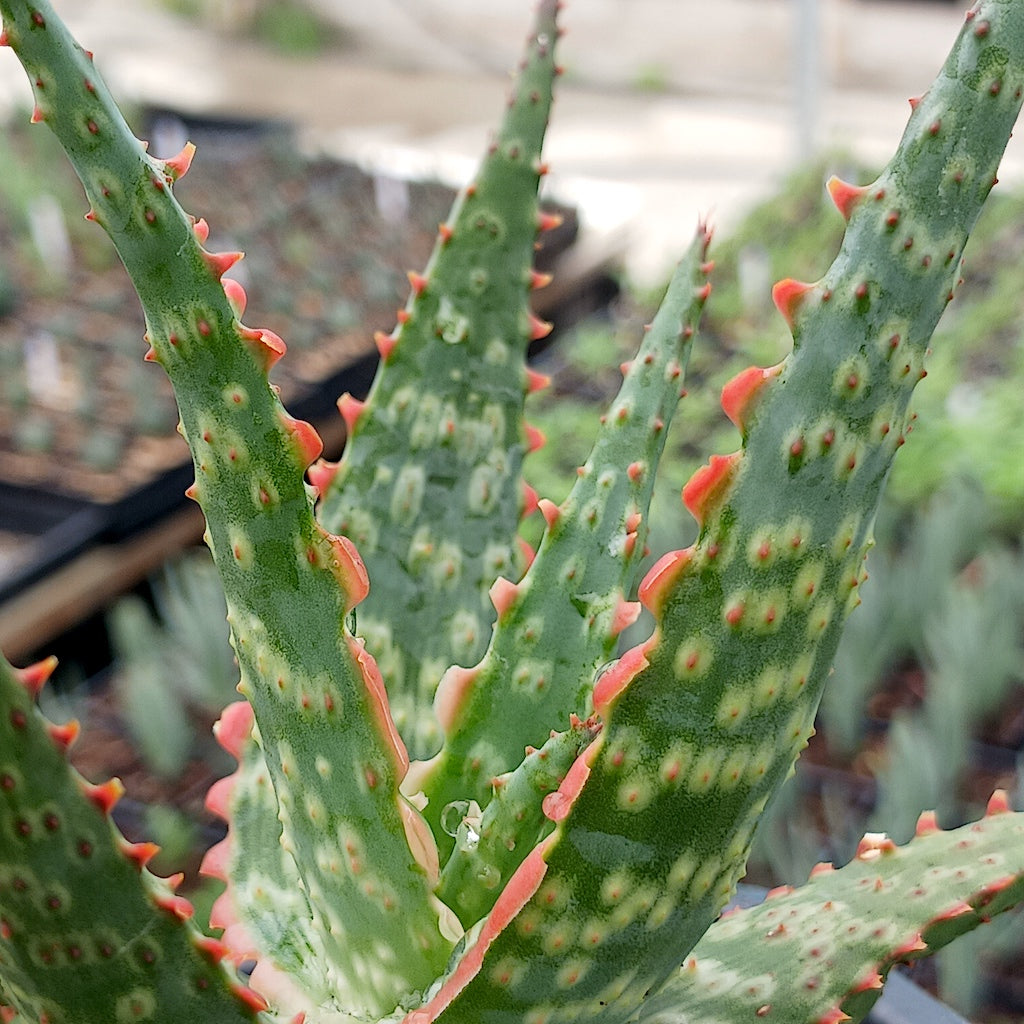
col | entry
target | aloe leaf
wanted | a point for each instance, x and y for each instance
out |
(430, 484)
(331, 748)
(823, 951)
(551, 639)
(704, 720)
(264, 911)
(490, 844)
(87, 934)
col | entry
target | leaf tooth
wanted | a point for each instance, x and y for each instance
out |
(218, 797)
(661, 579)
(139, 853)
(626, 613)
(264, 344)
(547, 221)
(503, 594)
(521, 887)
(307, 441)
(177, 167)
(788, 296)
(64, 735)
(539, 328)
(550, 511)
(536, 381)
(740, 392)
(104, 796)
(529, 499)
(528, 552)
(452, 692)
(251, 999)
(874, 845)
(998, 803)
(177, 906)
(236, 296)
(33, 677)
(350, 408)
(385, 344)
(556, 805)
(321, 473)
(845, 196)
(705, 487)
(612, 684)
(833, 1016)
(235, 727)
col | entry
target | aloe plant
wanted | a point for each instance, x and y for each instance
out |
(585, 878)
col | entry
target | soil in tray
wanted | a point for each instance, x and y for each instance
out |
(327, 250)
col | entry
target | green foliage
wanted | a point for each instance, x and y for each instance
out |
(178, 661)
(479, 884)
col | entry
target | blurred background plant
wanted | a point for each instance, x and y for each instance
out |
(290, 27)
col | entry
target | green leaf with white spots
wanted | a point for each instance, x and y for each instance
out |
(330, 747)
(264, 911)
(87, 934)
(704, 721)
(825, 949)
(558, 626)
(430, 485)
(491, 844)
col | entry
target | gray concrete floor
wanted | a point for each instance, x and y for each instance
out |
(642, 165)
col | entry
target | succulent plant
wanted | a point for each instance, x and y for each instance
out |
(584, 879)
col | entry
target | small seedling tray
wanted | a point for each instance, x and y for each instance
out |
(88, 447)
